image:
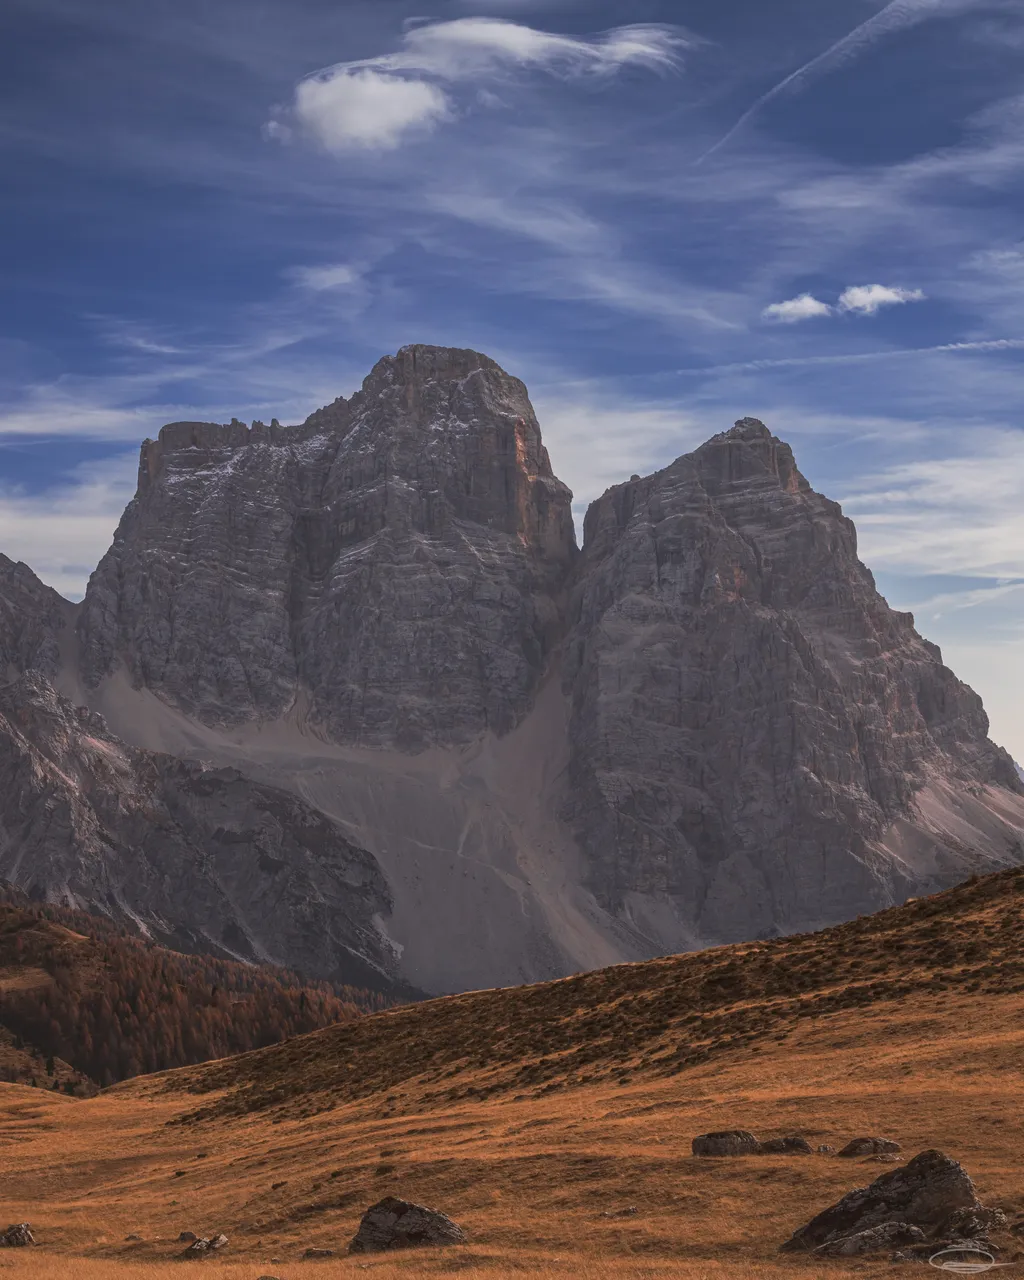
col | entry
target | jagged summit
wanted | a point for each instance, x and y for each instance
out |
(397, 562)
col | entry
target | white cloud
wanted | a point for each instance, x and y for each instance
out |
(866, 299)
(363, 108)
(62, 532)
(378, 102)
(805, 307)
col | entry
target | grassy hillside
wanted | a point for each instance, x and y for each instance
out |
(654, 1019)
(554, 1122)
(84, 1004)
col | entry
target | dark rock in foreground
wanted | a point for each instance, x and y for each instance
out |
(794, 1145)
(925, 1193)
(400, 1224)
(726, 1142)
(17, 1236)
(870, 1147)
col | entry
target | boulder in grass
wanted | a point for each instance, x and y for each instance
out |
(17, 1236)
(203, 1245)
(399, 1224)
(794, 1145)
(890, 1235)
(870, 1147)
(726, 1142)
(924, 1193)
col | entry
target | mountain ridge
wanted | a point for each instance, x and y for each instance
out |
(705, 725)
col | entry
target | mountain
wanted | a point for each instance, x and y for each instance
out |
(523, 759)
(759, 741)
(397, 565)
(201, 858)
(555, 1123)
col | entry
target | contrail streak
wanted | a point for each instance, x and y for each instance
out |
(896, 16)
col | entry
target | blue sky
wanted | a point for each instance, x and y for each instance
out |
(662, 215)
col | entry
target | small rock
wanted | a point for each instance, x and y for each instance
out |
(203, 1245)
(972, 1224)
(726, 1142)
(187, 1237)
(887, 1157)
(870, 1147)
(319, 1253)
(398, 1224)
(825, 1150)
(794, 1145)
(132, 1237)
(871, 1241)
(17, 1236)
(621, 1213)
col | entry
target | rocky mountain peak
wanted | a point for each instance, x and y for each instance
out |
(397, 563)
(747, 455)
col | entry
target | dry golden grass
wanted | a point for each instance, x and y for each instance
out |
(292, 1144)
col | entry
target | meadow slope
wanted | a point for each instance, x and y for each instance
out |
(539, 1117)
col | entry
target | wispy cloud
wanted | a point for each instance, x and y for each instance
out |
(62, 532)
(379, 102)
(908, 512)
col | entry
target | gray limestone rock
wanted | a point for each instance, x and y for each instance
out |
(399, 1224)
(757, 739)
(924, 1193)
(887, 1236)
(396, 567)
(726, 1142)
(32, 620)
(201, 858)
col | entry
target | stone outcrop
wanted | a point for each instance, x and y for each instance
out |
(201, 858)
(397, 565)
(926, 1193)
(399, 1224)
(752, 725)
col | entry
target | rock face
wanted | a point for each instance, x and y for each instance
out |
(202, 858)
(398, 1224)
(398, 564)
(926, 1193)
(32, 618)
(707, 726)
(751, 722)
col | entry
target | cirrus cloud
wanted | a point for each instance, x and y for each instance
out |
(376, 103)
